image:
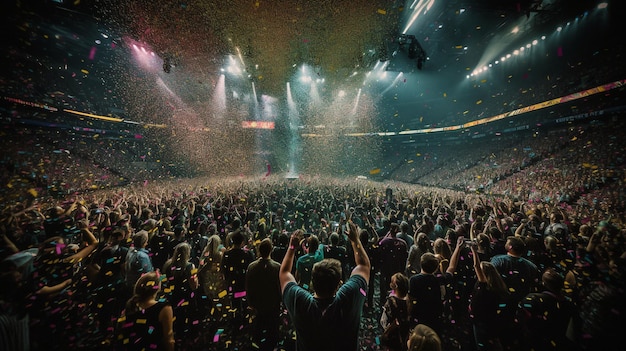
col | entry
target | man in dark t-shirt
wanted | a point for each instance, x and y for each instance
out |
(329, 318)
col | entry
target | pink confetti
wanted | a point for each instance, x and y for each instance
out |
(240, 294)
(92, 53)
(363, 292)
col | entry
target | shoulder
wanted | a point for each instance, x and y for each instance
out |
(293, 291)
(356, 281)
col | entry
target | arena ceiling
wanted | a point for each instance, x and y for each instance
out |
(87, 47)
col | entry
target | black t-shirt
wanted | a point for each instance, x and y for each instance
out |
(425, 294)
(142, 330)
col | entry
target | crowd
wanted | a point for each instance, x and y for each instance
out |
(168, 265)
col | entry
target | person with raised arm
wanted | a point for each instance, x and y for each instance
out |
(328, 318)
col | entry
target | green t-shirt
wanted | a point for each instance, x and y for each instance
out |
(327, 324)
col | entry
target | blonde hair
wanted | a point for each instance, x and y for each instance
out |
(211, 252)
(424, 338)
(147, 286)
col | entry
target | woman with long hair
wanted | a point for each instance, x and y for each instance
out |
(421, 245)
(209, 272)
(396, 314)
(181, 283)
(488, 295)
(147, 323)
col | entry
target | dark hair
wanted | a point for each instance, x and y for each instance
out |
(265, 247)
(429, 262)
(364, 236)
(404, 226)
(484, 242)
(334, 239)
(237, 238)
(140, 239)
(326, 276)
(423, 242)
(314, 243)
(283, 239)
(517, 244)
(424, 338)
(552, 280)
(402, 284)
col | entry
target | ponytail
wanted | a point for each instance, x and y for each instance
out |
(132, 305)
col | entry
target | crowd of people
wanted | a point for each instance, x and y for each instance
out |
(208, 264)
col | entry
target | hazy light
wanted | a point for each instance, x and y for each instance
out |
(423, 5)
(219, 95)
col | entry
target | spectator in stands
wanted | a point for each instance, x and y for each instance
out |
(313, 253)
(423, 338)
(425, 294)
(392, 256)
(110, 288)
(396, 311)
(147, 322)
(264, 297)
(54, 280)
(329, 319)
(521, 277)
(138, 259)
(180, 288)
(235, 262)
(210, 271)
(281, 241)
(489, 293)
(405, 235)
(422, 244)
(546, 315)
(334, 250)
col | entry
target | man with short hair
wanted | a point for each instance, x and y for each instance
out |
(264, 297)
(521, 277)
(304, 265)
(329, 318)
(235, 262)
(138, 261)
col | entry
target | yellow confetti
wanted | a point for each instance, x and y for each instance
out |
(84, 71)
(382, 12)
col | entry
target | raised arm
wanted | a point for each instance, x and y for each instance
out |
(454, 259)
(480, 276)
(284, 274)
(363, 265)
